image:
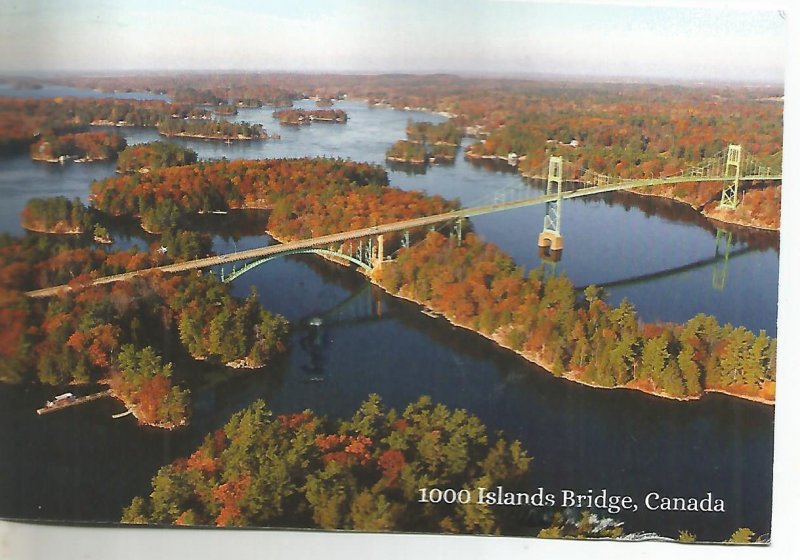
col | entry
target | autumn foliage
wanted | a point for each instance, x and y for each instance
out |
(301, 470)
(307, 197)
(110, 332)
(87, 145)
(476, 285)
(153, 155)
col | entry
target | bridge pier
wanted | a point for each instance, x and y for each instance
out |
(377, 260)
(457, 231)
(551, 240)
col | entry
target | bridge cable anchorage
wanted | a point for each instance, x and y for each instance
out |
(551, 232)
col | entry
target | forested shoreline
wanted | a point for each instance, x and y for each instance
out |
(579, 336)
(379, 470)
(477, 286)
(620, 130)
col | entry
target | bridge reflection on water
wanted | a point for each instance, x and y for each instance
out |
(365, 304)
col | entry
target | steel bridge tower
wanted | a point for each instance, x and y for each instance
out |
(551, 233)
(730, 186)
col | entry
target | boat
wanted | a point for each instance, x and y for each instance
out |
(60, 400)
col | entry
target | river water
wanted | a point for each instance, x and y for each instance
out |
(80, 464)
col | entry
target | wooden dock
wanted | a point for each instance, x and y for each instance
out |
(60, 405)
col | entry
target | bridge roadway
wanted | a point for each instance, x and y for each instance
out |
(403, 225)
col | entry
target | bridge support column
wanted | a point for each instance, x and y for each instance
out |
(406, 241)
(551, 232)
(730, 186)
(457, 231)
(377, 262)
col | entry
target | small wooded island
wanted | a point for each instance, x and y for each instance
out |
(152, 156)
(226, 110)
(210, 129)
(79, 147)
(56, 215)
(304, 117)
(427, 143)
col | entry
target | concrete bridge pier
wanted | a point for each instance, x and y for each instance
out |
(551, 246)
(377, 256)
(552, 240)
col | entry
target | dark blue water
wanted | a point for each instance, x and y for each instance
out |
(81, 465)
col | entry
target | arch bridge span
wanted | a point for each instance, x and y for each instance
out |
(237, 272)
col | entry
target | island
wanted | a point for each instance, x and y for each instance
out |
(50, 130)
(78, 147)
(303, 117)
(56, 215)
(151, 156)
(212, 130)
(226, 110)
(427, 143)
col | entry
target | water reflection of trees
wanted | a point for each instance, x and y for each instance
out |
(408, 168)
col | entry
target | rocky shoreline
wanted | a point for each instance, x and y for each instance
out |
(59, 229)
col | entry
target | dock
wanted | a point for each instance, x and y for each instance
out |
(60, 405)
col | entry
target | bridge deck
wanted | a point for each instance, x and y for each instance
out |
(403, 225)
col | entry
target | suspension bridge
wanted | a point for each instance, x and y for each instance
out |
(365, 247)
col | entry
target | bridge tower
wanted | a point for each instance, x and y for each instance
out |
(730, 187)
(551, 233)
